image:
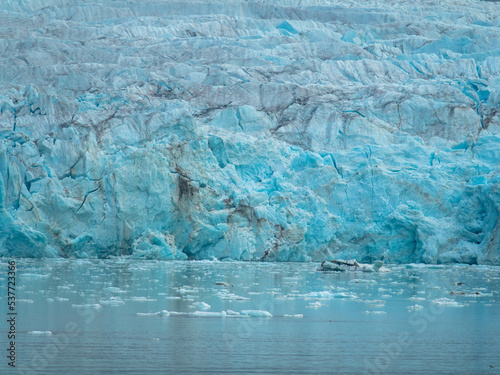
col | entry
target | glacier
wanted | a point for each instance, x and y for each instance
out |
(286, 130)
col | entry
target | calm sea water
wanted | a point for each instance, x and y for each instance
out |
(134, 317)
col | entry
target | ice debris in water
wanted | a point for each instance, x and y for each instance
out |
(298, 316)
(231, 296)
(415, 307)
(207, 314)
(40, 333)
(212, 314)
(257, 313)
(326, 295)
(113, 301)
(447, 302)
(314, 305)
(148, 314)
(142, 299)
(94, 306)
(201, 305)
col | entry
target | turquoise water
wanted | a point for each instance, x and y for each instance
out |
(133, 317)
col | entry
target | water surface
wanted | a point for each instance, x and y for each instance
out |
(152, 317)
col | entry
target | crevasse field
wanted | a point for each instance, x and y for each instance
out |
(234, 129)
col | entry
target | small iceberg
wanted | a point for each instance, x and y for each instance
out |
(40, 333)
(352, 265)
(296, 316)
(257, 313)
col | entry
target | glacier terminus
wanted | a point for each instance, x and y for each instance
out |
(289, 130)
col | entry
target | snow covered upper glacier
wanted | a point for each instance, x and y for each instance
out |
(300, 129)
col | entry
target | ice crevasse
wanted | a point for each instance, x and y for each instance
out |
(284, 130)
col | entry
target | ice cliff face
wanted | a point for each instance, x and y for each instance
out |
(290, 130)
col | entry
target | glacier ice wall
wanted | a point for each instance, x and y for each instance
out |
(286, 130)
